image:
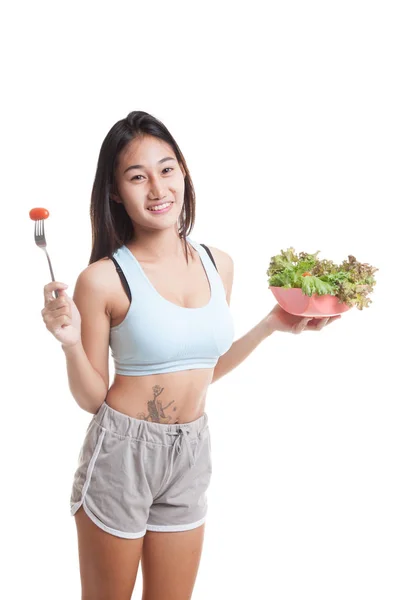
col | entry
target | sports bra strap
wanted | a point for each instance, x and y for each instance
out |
(123, 278)
(209, 254)
(125, 283)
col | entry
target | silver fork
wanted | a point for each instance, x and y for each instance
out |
(40, 241)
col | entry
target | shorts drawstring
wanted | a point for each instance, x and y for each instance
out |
(182, 434)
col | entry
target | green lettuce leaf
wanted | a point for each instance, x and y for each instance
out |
(350, 282)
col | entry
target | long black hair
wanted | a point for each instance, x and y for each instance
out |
(111, 225)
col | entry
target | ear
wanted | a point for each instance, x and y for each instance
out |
(115, 197)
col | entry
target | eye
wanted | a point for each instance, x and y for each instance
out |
(166, 168)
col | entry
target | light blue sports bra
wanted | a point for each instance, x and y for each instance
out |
(158, 336)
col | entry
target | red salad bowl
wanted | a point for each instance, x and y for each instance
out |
(295, 302)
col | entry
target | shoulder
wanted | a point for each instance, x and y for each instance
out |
(95, 274)
(225, 268)
(100, 279)
(222, 258)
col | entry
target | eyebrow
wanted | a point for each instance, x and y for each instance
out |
(142, 166)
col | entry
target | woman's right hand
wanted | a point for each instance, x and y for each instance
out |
(61, 315)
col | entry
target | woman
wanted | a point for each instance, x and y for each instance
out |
(160, 300)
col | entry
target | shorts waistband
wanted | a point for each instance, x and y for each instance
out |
(125, 425)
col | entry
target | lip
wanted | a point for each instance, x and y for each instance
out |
(163, 210)
(157, 203)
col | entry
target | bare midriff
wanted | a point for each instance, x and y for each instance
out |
(177, 397)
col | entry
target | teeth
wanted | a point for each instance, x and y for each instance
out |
(161, 206)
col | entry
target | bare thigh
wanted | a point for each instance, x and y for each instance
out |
(170, 561)
(108, 564)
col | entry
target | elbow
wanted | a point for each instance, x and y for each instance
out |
(91, 409)
(91, 406)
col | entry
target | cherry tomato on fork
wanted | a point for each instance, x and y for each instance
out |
(38, 213)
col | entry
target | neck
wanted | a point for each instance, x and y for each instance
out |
(157, 246)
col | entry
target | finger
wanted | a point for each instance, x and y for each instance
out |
(322, 323)
(334, 319)
(317, 324)
(57, 303)
(58, 312)
(56, 307)
(49, 288)
(301, 325)
(50, 315)
(309, 323)
(60, 322)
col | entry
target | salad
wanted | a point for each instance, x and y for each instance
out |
(350, 282)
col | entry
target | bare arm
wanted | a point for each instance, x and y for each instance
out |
(87, 361)
(86, 384)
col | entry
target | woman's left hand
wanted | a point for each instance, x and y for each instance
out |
(280, 320)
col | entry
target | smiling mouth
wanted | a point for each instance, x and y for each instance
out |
(165, 206)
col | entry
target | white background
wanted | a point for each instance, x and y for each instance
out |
(288, 116)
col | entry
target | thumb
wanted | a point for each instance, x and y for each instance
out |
(62, 292)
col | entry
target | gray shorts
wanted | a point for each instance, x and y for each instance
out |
(135, 475)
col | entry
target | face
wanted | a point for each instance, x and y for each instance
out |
(158, 179)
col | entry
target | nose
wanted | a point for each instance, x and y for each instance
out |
(157, 190)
